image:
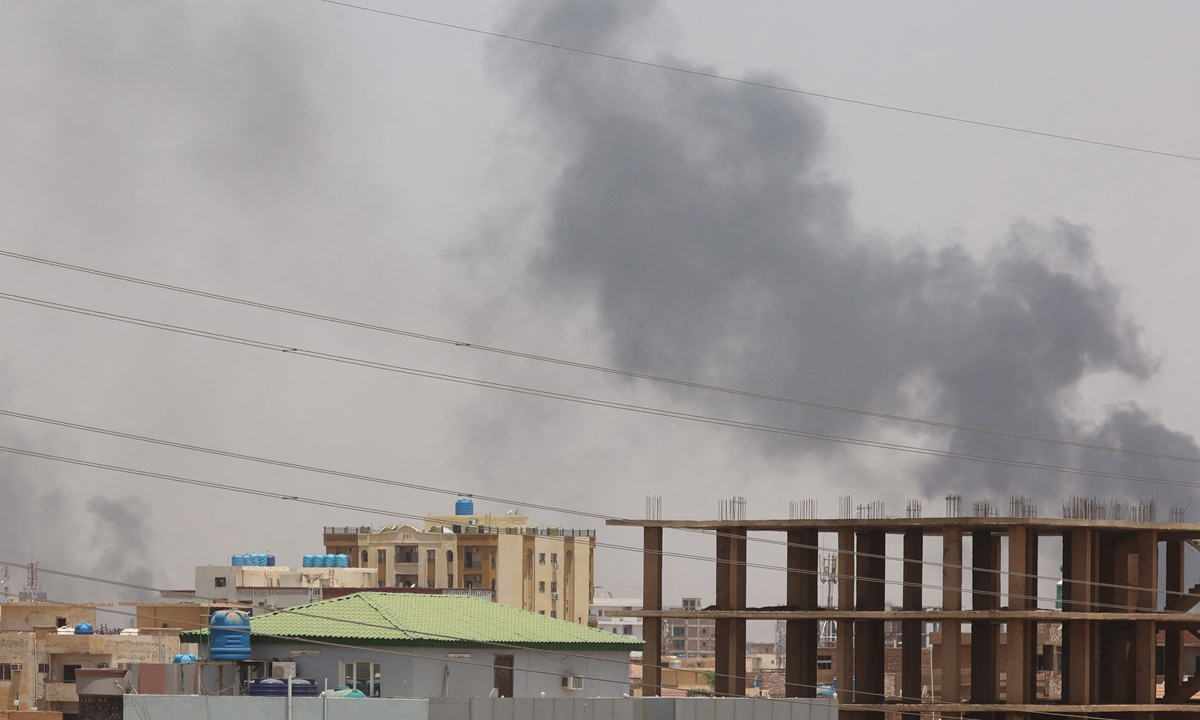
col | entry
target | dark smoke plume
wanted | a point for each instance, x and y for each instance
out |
(695, 218)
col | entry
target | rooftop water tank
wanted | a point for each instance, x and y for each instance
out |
(270, 561)
(182, 658)
(308, 561)
(229, 635)
(343, 560)
(239, 561)
(84, 629)
(331, 560)
(464, 506)
(346, 692)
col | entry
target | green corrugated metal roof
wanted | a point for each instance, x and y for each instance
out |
(371, 618)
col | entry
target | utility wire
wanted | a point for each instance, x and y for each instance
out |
(345, 506)
(460, 493)
(582, 365)
(766, 85)
(583, 400)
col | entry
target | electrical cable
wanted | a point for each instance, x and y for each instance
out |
(583, 400)
(451, 491)
(389, 513)
(582, 365)
(359, 647)
(766, 85)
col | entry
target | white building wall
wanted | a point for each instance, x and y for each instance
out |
(432, 672)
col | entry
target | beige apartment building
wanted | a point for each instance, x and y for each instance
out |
(547, 570)
(40, 652)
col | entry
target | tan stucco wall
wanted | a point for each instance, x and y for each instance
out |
(31, 649)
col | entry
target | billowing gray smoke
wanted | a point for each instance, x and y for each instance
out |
(694, 215)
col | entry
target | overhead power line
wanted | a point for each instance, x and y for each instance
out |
(584, 400)
(767, 85)
(642, 551)
(451, 491)
(582, 365)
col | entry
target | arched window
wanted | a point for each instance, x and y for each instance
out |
(449, 557)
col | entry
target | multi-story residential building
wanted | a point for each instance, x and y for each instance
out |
(607, 614)
(547, 570)
(253, 588)
(689, 637)
(42, 644)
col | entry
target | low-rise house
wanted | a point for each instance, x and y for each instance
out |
(39, 656)
(418, 645)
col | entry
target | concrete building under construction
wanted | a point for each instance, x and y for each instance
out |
(1114, 610)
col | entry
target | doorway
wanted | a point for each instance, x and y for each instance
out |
(503, 675)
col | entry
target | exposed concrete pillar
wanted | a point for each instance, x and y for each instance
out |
(1021, 674)
(985, 634)
(911, 630)
(652, 572)
(800, 673)
(730, 672)
(1080, 646)
(952, 558)
(1173, 670)
(1146, 641)
(868, 634)
(845, 628)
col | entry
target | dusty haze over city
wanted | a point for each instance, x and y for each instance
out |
(418, 177)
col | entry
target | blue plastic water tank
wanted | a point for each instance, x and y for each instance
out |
(84, 629)
(464, 506)
(308, 561)
(343, 560)
(182, 658)
(229, 635)
(270, 561)
(331, 561)
(239, 560)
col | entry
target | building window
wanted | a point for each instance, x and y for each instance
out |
(366, 557)
(824, 662)
(493, 561)
(553, 558)
(219, 582)
(679, 631)
(493, 586)
(431, 556)
(553, 586)
(541, 586)
(450, 580)
(541, 612)
(703, 631)
(431, 583)
(541, 558)
(5, 672)
(628, 629)
(362, 676)
(553, 613)
(449, 557)
(407, 553)
(382, 556)
(678, 644)
(43, 668)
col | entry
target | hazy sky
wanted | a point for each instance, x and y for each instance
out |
(428, 179)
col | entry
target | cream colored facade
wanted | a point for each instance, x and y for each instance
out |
(546, 570)
(37, 661)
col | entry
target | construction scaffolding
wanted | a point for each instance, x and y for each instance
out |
(1113, 606)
